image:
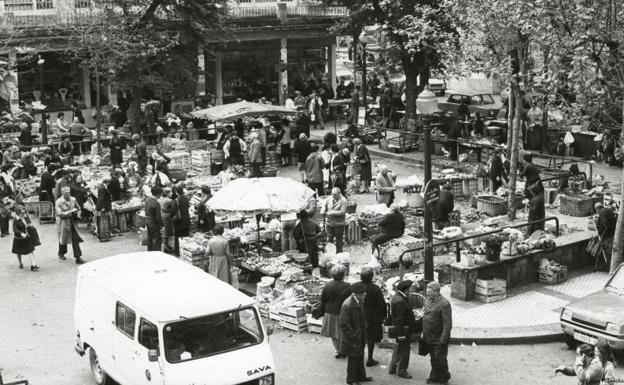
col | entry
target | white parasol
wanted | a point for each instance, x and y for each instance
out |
(240, 109)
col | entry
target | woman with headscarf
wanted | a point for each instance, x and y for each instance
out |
(375, 310)
(180, 215)
(26, 238)
(28, 166)
(333, 295)
(307, 234)
(535, 194)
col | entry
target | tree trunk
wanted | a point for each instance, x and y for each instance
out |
(510, 115)
(98, 109)
(617, 256)
(135, 110)
(513, 168)
(411, 92)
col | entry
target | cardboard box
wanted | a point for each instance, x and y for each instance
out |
(296, 312)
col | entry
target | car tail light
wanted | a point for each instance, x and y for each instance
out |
(266, 380)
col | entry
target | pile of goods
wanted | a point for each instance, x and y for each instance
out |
(391, 251)
(331, 258)
(193, 249)
(274, 267)
(449, 232)
(510, 246)
(552, 273)
(132, 204)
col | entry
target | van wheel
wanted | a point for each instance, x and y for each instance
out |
(99, 375)
(570, 341)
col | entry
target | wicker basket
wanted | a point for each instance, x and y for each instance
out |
(177, 174)
(32, 206)
(576, 206)
(139, 219)
(492, 205)
(46, 212)
(554, 172)
(268, 171)
(351, 207)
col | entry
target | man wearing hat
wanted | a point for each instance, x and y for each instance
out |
(404, 323)
(352, 334)
(437, 324)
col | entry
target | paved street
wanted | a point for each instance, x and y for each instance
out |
(38, 333)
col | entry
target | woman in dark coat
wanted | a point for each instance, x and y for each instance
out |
(116, 147)
(180, 214)
(364, 160)
(535, 193)
(6, 194)
(333, 295)
(307, 234)
(26, 238)
(376, 313)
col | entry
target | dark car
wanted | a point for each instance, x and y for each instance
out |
(482, 103)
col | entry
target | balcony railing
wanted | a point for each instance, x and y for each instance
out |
(39, 13)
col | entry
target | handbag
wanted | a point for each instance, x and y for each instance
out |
(34, 235)
(397, 331)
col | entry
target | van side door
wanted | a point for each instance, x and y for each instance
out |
(124, 345)
(149, 339)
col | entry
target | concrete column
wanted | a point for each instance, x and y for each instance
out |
(112, 93)
(331, 66)
(201, 71)
(13, 89)
(86, 87)
(218, 77)
(282, 76)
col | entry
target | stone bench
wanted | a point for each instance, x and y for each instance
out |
(521, 269)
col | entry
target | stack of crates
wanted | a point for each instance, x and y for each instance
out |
(491, 290)
(201, 162)
(294, 318)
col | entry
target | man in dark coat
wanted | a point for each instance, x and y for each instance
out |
(375, 311)
(366, 169)
(530, 172)
(437, 324)
(453, 134)
(355, 103)
(443, 207)
(606, 222)
(353, 329)
(140, 153)
(153, 220)
(181, 217)
(103, 208)
(25, 138)
(46, 187)
(404, 322)
(496, 171)
(391, 225)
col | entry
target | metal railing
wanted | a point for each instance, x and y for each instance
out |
(457, 240)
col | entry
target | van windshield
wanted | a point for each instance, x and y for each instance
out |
(213, 334)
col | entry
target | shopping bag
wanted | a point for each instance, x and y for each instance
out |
(89, 205)
(568, 139)
(143, 241)
(594, 247)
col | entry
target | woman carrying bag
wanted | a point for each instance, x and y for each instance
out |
(26, 238)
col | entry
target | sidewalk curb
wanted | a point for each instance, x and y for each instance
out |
(511, 339)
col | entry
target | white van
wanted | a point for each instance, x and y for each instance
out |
(149, 318)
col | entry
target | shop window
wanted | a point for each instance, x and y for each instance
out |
(82, 3)
(45, 4)
(18, 5)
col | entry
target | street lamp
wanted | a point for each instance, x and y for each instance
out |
(427, 105)
(44, 125)
(364, 39)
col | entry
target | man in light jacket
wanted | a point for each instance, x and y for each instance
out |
(336, 211)
(437, 324)
(255, 155)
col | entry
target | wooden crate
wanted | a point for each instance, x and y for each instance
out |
(550, 277)
(490, 298)
(491, 287)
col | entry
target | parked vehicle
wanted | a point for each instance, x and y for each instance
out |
(148, 318)
(482, 103)
(599, 317)
(437, 86)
